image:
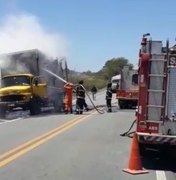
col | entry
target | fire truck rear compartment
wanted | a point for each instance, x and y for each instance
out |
(156, 114)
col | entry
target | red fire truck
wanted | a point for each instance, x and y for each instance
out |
(156, 113)
(127, 94)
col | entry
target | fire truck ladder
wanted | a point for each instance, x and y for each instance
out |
(156, 87)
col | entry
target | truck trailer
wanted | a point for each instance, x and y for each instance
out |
(25, 84)
(127, 94)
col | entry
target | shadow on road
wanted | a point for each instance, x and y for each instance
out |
(26, 114)
(155, 161)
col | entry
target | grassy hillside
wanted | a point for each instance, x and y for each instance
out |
(99, 79)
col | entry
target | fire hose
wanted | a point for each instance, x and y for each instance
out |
(128, 133)
(100, 111)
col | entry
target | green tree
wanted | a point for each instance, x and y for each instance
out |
(114, 66)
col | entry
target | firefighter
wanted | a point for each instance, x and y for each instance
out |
(86, 106)
(94, 91)
(68, 97)
(109, 96)
(80, 98)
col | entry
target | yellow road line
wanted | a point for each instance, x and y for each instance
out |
(14, 153)
(35, 139)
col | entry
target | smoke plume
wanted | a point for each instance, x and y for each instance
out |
(24, 31)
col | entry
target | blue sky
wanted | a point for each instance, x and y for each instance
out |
(98, 30)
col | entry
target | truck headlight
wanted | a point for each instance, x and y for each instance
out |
(24, 97)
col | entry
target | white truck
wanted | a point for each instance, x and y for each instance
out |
(115, 80)
(127, 93)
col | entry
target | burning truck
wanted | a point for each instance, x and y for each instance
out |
(25, 83)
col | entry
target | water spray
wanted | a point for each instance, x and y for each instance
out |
(55, 75)
(98, 110)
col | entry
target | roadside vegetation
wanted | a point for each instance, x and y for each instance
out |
(111, 68)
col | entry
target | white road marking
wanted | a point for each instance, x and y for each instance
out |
(160, 175)
(9, 121)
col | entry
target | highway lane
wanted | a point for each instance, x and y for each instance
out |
(90, 149)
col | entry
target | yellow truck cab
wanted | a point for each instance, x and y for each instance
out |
(22, 90)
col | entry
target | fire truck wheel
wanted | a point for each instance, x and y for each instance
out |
(172, 151)
(122, 104)
(142, 149)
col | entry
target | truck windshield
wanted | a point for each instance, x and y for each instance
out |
(135, 79)
(15, 81)
(115, 81)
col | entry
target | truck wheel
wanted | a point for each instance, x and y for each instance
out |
(25, 108)
(122, 104)
(58, 106)
(34, 107)
(130, 106)
(2, 112)
(142, 149)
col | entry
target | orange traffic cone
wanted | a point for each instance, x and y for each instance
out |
(135, 163)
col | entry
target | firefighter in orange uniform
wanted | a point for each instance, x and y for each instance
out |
(68, 97)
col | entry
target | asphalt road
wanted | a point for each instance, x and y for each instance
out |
(72, 147)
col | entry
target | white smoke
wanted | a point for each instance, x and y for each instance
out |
(23, 31)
